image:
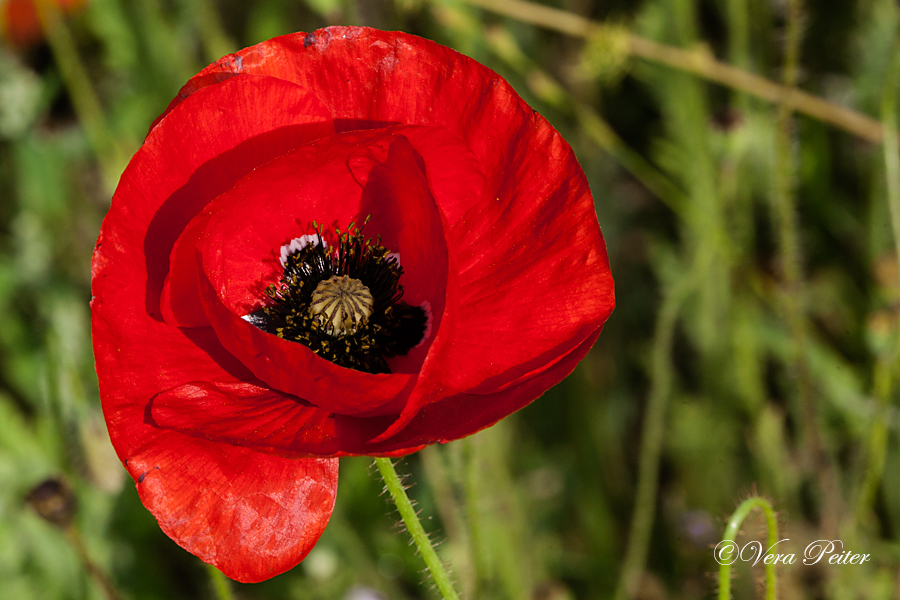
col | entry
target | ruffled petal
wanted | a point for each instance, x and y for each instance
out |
(251, 515)
(532, 266)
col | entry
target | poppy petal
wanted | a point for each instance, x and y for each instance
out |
(233, 128)
(461, 415)
(405, 215)
(252, 515)
(244, 414)
(137, 354)
(524, 273)
(549, 273)
(199, 490)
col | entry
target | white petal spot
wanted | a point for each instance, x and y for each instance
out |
(298, 244)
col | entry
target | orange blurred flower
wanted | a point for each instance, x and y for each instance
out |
(19, 21)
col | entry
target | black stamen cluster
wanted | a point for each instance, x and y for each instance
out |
(394, 327)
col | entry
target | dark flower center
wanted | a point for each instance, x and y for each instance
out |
(343, 302)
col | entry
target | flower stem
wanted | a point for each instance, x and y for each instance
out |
(652, 438)
(884, 378)
(94, 570)
(734, 524)
(793, 292)
(414, 526)
(480, 558)
(220, 583)
(216, 42)
(699, 62)
(84, 99)
(891, 150)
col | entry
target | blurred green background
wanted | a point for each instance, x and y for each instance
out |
(753, 348)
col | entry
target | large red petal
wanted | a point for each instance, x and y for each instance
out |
(533, 266)
(407, 80)
(199, 491)
(251, 515)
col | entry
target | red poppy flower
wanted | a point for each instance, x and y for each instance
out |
(337, 243)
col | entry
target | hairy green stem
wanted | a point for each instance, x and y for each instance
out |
(220, 584)
(652, 440)
(414, 526)
(785, 215)
(481, 566)
(738, 34)
(793, 293)
(731, 530)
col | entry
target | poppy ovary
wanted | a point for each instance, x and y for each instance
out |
(340, 305)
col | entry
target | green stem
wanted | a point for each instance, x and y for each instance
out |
(878, 439)
(699, 62)
(890, 146)
(216, 42)
(84, 99)
(451, 513)
(886, 365)
(466, 464)
(92, 568)
(652, 439)
(414, 526)
(783, 198)
(738, 34)
(731, 530)
(221, 585)
(785, 216)
(652, 178)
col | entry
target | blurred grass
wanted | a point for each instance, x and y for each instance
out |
(539, 506)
